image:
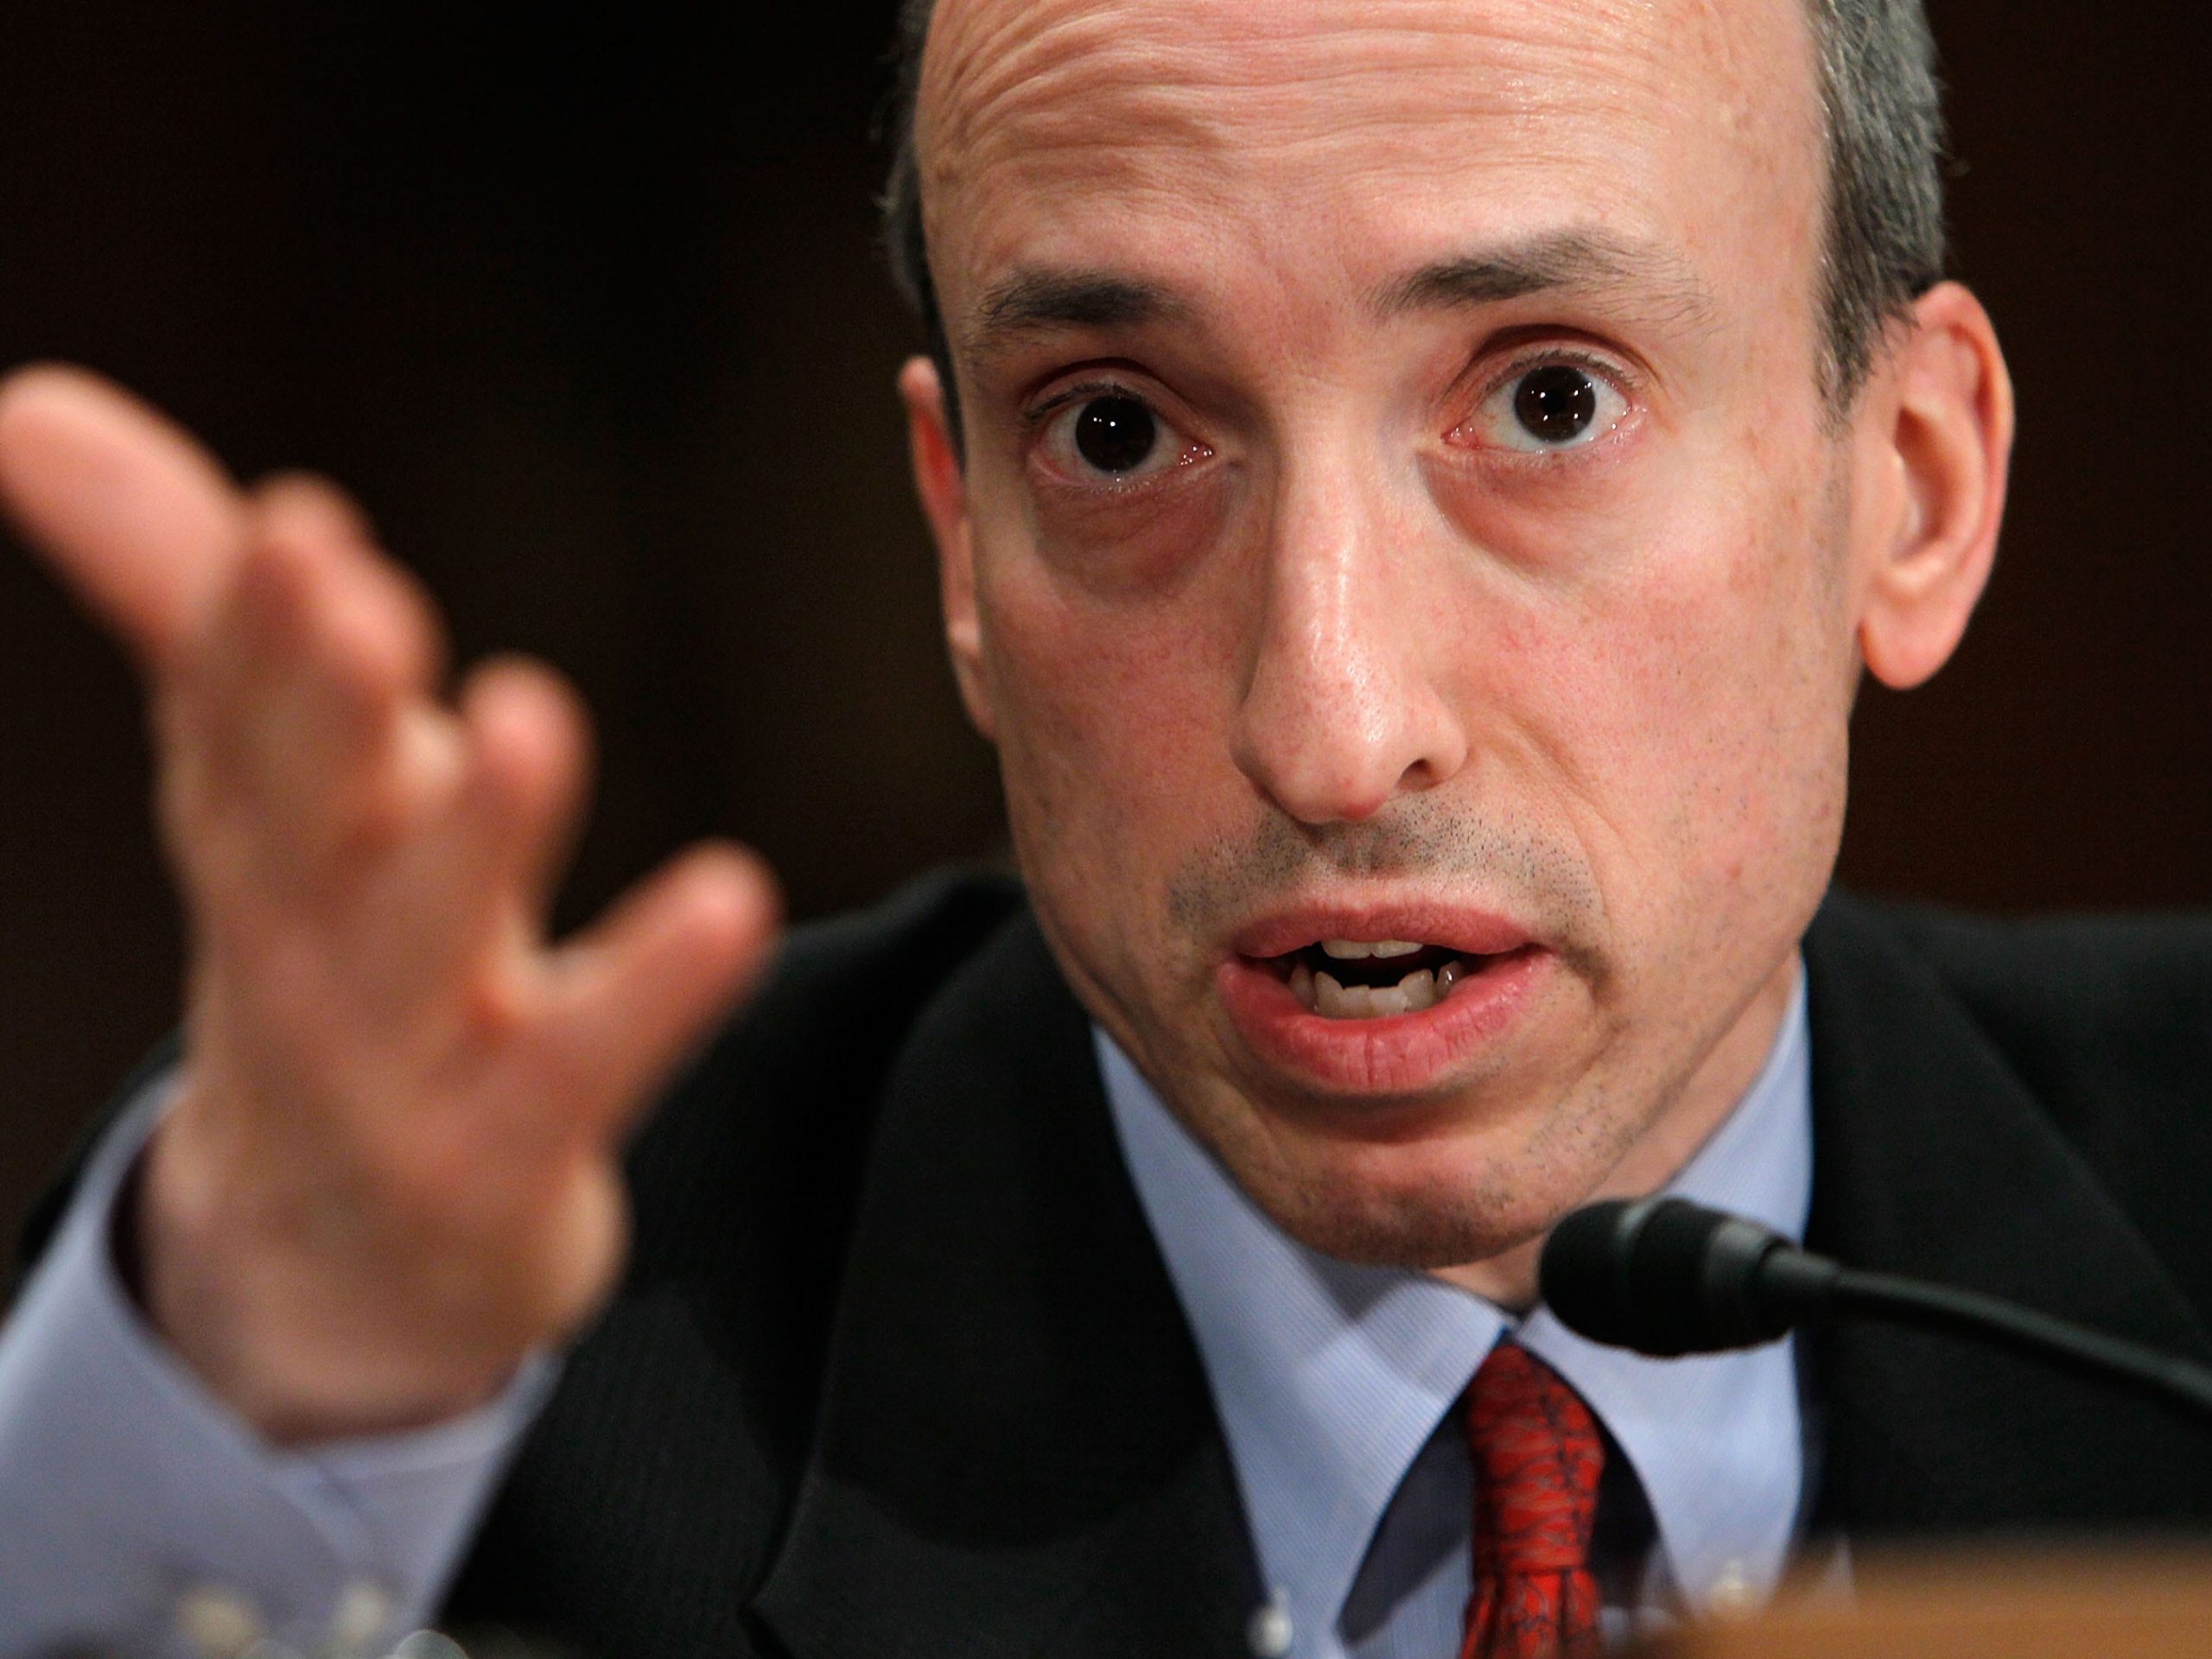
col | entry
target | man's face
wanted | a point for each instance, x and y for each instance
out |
(1399, 511)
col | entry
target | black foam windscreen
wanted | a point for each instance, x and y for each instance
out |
(1664, 1276)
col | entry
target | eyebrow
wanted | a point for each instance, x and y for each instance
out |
(1033, 302)
(1581, 261)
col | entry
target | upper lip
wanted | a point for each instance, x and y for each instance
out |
(1469, 930)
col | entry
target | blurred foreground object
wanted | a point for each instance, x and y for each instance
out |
(1982, 1605)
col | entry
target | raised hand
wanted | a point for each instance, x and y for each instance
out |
(391, 1169)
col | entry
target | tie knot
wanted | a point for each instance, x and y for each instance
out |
(1537, 1454)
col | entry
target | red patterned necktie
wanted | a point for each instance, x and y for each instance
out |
(1537, 1456)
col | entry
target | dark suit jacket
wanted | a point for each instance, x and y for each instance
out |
(898, 1369)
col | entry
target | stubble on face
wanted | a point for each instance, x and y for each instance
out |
(1643, 1077)
(1435, 844)
(1659, 790)
(1425, 838)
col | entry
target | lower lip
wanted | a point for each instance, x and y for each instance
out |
(1389, 1054)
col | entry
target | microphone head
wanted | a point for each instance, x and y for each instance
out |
(1663, 1276)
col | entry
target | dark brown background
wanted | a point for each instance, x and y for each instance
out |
(586, 306)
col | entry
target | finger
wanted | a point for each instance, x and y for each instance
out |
(135, 516)
(636, 991)
(397, 623)
(289, 709)
(318, 505)
(529, 752)
(471, 885)
(308, 510)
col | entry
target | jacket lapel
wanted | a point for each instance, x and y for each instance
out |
(1017, 1454)
(1016, 1450)
(1932, 1159)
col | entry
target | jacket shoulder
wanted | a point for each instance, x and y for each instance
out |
(790, 1083)
(745, 1179)
(2086, 1002)
(2104, 1019)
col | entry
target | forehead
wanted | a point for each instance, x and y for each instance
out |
(1320, 140)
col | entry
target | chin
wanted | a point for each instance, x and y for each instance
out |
(1435, 1201)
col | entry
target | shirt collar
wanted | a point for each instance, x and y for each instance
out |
(1329, 1375)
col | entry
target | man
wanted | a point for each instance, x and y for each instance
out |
(1416, 487)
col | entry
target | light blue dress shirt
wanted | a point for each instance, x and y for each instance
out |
(134, 1505)
(1338, 1386)
(135, 1502)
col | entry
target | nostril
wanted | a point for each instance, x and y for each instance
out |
(1423, 774)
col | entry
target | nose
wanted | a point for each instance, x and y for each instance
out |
(1343, 707)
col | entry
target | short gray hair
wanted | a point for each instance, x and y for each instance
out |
(1882, 105)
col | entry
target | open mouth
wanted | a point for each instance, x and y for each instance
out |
(1372, 979)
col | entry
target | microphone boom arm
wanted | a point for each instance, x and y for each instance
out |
(2076, 1348)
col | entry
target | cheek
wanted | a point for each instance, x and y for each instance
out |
(1108, 622)
(1110, 739)
(1676, 661)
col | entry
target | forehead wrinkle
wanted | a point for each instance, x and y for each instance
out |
(975, 61)
(998, 85)
(1053, 129)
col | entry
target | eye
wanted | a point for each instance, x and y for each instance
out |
(1554, 406)
(1112, 436)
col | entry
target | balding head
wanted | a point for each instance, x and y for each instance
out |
(1884, 241)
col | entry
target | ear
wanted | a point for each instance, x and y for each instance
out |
(942, 485)
(1944, 431)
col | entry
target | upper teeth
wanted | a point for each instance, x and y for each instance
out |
(1353, 950)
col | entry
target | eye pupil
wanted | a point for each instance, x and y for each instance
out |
(1556, 403)
(1115, 435)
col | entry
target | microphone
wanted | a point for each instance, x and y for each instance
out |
(1667, 1277)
